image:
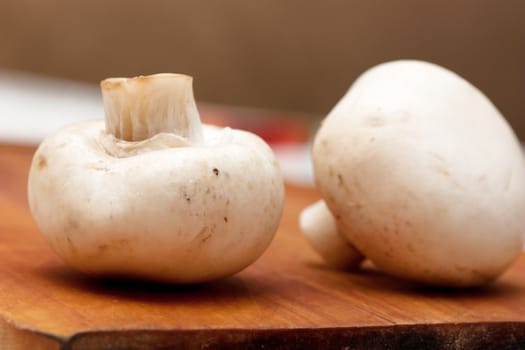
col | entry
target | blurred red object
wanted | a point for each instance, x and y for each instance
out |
(272, 126)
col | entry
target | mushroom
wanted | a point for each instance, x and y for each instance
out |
(424, 175)
(153, 194)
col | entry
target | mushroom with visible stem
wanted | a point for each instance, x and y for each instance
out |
(426, 176)
(152, 193)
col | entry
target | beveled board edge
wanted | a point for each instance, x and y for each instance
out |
(14, 337)
(482, 335)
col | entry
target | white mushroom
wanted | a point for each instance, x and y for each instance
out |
(320, 227)
(152, 194)
(425, 176)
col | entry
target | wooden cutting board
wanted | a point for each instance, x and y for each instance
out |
(287, 299)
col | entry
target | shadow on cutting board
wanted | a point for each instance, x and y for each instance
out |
(370, 278)
(226, 290)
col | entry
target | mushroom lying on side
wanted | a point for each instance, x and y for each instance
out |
(154, 194)
(423, 175)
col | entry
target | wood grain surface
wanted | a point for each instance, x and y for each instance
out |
(287, 300)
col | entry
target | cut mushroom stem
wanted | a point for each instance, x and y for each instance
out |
(320, 228)
(139, 108)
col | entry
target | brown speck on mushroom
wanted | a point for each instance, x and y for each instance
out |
(71, 245)
(375, 122)
(441, 170)
(225, 219)
(73, 224)
(204, 234)
(100, 168)
(41, 163)
(216, 171)
(340, 179)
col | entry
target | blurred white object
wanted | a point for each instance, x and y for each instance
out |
(295, 162)
(33, 106)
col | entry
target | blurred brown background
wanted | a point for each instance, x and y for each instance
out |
(289, 55)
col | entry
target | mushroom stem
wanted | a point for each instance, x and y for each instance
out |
(320, 228)
(139, 108)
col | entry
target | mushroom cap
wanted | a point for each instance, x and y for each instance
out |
(158, 209)
(425, 175)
